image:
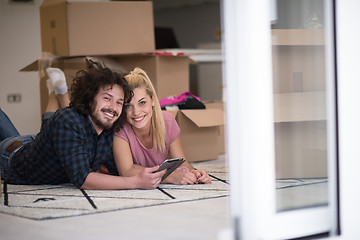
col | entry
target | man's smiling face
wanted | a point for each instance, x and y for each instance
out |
(107, 107)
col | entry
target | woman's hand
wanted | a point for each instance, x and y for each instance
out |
(202, 176)
(181, 176)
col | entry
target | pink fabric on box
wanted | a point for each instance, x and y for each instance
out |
(177, 99)
(150, 157)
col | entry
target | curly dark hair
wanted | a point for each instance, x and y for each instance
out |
(87, 83)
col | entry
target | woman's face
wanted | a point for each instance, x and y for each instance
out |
(139, 110)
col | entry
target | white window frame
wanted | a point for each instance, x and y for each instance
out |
(348, 52)
(250, 131)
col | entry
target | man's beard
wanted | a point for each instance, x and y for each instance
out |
(104, 124)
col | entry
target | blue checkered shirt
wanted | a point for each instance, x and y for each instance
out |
(66, 150)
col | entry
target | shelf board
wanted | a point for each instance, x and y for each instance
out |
(297, 37)
(299, 106)
(197, 55)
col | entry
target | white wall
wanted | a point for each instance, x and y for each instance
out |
(20, 45)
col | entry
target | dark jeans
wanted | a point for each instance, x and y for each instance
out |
(7, 129)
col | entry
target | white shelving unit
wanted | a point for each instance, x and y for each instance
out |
(297, 37)
(309, 104)
(299, 102)
(300, 106)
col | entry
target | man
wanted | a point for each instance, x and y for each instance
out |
(75, 142)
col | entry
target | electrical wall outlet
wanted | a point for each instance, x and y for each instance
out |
(14, 98)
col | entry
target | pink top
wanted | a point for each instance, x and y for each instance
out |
(150, 157)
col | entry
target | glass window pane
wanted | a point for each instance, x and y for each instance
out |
(300, 119)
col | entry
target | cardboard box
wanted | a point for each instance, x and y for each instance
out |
(199, 132)
(169, 74)
(70, 66)
(70, 28)
(221, 132)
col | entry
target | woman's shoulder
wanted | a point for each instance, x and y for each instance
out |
(124, 130)
(168, 115)
(170, 122)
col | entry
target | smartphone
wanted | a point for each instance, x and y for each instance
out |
(170, 165)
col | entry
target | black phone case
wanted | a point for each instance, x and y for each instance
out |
(170, 165)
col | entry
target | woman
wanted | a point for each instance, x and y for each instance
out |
(150, 135)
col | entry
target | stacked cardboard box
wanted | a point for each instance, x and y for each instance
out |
(70, 28)
(169, 74)
(120, 34)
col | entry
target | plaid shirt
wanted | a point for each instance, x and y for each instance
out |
(66, 150)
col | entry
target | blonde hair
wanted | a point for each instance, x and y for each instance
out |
(138, 78)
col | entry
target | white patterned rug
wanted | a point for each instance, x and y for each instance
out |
(58, 201)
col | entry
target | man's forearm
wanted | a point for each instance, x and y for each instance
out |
(100, 181)
(133, 170)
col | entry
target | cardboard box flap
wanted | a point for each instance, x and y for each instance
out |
(77, 63)
(56, 62)
(31, 67)
(205, 117)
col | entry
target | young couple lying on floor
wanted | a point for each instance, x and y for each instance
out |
(111, 134)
